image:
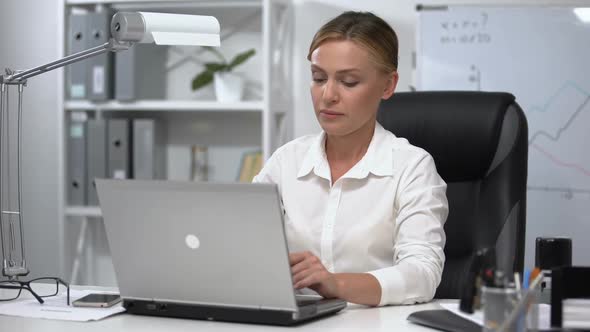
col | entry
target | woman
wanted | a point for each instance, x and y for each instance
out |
(364, 210)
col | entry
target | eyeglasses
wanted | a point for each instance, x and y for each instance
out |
(40, 288)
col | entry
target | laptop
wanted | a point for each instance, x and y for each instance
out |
(214, 251)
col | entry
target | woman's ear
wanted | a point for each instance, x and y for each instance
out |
(390, 85)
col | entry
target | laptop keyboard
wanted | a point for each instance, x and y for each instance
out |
(302, 302)
(306, 302)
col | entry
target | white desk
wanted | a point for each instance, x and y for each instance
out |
(353, 318)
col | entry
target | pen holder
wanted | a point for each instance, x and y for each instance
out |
(498, 305)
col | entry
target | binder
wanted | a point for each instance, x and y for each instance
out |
(125, 74)
(118, 149)
(139, 73)
(76, 72)
(149, 155)
(76, 169)
(97, 157)
(99, 68)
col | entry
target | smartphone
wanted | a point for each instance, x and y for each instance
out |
(96, 300)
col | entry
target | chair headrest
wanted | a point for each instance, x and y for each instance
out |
(460, 129)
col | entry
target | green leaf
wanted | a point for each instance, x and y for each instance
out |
(202, 79)
(216, 52)
(241, 58)
(213, 66)
(206, 77)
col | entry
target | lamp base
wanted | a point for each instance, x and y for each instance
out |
(15, 271)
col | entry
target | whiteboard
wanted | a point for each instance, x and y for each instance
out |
(542, 56)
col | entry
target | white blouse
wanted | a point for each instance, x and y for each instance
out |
(385, 216)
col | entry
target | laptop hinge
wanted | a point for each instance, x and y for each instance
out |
(259, 307)
(276, 309)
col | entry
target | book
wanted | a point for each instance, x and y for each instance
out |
(250, 167)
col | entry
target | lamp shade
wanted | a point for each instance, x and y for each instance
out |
(165, 28)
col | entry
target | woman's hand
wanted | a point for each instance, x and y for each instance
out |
(308, 271)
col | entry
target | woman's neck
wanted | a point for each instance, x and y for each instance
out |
(349, 148)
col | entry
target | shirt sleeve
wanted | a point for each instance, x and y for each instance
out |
(271, 171)
(419, 238)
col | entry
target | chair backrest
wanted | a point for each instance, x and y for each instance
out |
(479, 142)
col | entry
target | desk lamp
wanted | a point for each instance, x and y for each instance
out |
(127, 28)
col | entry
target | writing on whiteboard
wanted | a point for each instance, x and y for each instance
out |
(465, 31)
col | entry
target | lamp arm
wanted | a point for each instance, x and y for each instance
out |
(19, 76)
(127, 28)
(10, 268)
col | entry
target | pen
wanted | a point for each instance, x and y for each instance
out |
(488, 277)
(520, 323)
(536, 271)
(525, 279)
(499, 279)
(526, 298)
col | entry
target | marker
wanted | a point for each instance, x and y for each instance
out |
(526, 279)
(524, 303)
(534, 274)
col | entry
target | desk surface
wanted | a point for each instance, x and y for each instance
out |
(354, 318)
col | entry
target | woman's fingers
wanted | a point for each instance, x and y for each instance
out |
(307, 263)
(306, 280)
(297, 257)
(307, 269)
(303, 273)
(315, 277)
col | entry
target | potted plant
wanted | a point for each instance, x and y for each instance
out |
(229, 86)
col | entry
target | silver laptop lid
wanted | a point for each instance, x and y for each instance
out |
(199, 243)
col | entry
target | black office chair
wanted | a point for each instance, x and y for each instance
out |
(479, 142)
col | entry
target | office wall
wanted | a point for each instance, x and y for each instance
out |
(401, 14)
(29, 36)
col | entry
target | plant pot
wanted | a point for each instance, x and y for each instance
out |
(229, 87)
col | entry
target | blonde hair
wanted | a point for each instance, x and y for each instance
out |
(366, 30)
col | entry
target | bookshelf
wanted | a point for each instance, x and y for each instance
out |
(164, 105)
(234, 132)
